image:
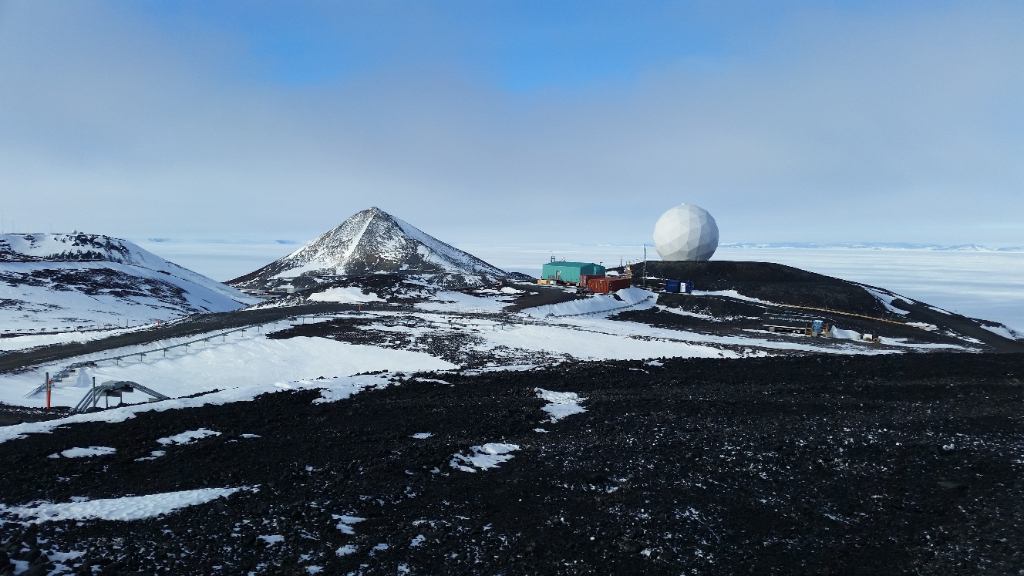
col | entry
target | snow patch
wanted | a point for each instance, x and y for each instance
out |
(886, 298)
(350, 295)
(590, 340)
(635, 298)
(250, 360)
(483, 457)
(33, 340)
(187, 437)
(346, 387)
(689, 314)
(732, 294)
(449, 301)
(560, 404)
(152, 456)
(331, 390)
(346, 523)
(1002, 331)
(85, 452)
(123, 509)
(841, 334)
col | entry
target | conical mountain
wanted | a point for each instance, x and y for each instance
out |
(372, 242)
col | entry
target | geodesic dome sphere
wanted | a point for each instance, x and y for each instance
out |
(686, 232)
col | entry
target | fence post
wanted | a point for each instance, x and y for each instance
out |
(47, 390)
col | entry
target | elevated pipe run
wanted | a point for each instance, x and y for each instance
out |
(114, 388)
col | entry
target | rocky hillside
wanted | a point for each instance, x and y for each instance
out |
(740, 285)
(91, 280)
(371, 242)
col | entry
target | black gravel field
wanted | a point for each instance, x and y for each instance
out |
(806, 465)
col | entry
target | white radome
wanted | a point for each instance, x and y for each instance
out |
(686, 233)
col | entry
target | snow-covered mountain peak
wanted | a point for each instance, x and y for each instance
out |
(371, 241)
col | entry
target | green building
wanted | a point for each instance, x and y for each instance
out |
(570, 272)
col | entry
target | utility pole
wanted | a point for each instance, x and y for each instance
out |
(645, 266)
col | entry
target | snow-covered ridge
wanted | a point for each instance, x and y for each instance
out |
(74, 247)
(79, 247)
(93, 280)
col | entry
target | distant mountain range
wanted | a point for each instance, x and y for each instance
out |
(91, 280)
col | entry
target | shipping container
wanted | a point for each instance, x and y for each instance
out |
(606, 284)
(677, 286)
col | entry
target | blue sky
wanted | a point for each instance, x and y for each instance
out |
(517, 46)
(477, 120)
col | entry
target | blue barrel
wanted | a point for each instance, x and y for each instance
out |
(817, 327)
(672, 286)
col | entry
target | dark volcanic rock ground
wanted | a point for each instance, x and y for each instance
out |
(810, 465)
